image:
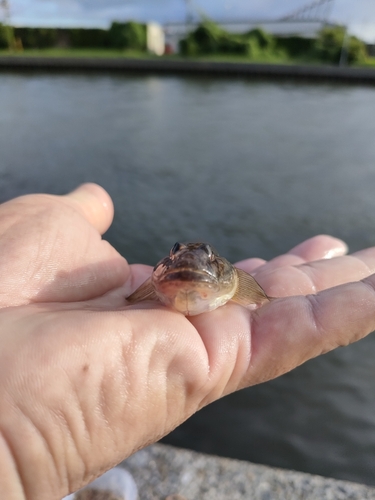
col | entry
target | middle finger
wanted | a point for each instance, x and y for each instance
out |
(312, 277)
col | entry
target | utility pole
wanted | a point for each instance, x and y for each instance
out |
(344, 49)
(5, 17)
(5, 11)
(188, 15)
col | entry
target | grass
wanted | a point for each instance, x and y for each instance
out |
(56, 52)
(261, 58)
(370, 61)
(107, 53)
(132, 54)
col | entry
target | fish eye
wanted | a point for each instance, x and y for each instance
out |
(176, 247)
(208, 251)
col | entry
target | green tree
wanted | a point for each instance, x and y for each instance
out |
(357, 51)
(332, 40)
(329, 43)
(209, 38)
(130, 35)
(6, 37)
(3, 37)
(37, 38)
(87, 38)
(264, 40)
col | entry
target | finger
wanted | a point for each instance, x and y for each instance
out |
(316, 248)
(288, 332)
(51, 253)
(94, 203)
(139, 273)
(249, 265)
(319, 275)
(320, 247)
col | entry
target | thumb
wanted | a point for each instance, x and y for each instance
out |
(94, 203)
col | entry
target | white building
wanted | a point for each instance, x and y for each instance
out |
(155, 39)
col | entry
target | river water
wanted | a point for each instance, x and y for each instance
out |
(253, 168)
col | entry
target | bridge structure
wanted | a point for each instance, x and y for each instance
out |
(317, 10)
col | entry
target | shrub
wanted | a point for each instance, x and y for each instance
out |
(188, 47)
(235, 45)
(295, 46)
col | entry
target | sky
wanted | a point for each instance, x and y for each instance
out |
(358, 15)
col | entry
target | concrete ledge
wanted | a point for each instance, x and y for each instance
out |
(307, 72)
(161, 470)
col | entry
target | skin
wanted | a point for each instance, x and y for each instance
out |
(86, 381)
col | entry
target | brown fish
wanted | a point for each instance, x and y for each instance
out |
(194, 279)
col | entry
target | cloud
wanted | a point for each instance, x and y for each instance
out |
(92, 12)
(101, 12)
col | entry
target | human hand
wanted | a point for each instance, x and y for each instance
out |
(86, 380)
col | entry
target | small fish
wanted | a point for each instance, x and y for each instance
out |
(194, 279)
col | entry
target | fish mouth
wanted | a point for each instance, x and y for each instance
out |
(188, 275)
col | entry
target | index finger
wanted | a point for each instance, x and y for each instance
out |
(289, 331)
(318, 247)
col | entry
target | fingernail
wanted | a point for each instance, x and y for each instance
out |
(336, 252)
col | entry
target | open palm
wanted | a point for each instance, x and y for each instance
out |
(86, 380)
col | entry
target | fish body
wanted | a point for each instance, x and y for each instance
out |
(194, 279)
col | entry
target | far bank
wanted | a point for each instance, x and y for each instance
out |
(188, 66)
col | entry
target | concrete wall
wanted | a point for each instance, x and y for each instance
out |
(163, 470)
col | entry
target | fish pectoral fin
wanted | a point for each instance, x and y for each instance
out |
(144, 292)
(248, 290)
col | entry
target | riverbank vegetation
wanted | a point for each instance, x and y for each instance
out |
(208, 41)
(120, 36)
(331, 44)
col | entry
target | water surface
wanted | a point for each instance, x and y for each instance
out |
(252, 167)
